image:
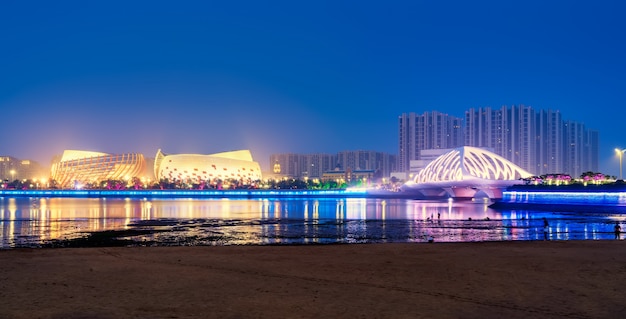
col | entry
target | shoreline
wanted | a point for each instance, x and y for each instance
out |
(559, 207)
(553, 279)
(208, 193)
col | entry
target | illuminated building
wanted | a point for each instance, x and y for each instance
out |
(466, 172)
(430, 130)
(12, 168)
(348, 175)
(539, 141)
(236, 165)
(382, 164)
(9, 168)
(468, 164)
(81, 167)
(518, 133)
(294, 165)
(319, 165)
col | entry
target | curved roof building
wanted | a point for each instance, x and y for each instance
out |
(470, 163)
(228, 165)
(466, 172)
(85, 166)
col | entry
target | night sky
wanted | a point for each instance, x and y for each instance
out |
(295, 76)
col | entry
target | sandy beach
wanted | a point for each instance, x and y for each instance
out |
(551, 279)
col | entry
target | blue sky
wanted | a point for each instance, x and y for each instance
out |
(295, 76)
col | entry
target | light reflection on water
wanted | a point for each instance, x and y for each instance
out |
(33, 221)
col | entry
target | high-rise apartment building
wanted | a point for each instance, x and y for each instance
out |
(318, 163)
(540, 142)
(508, 131)
(591, 149)
(379, 162)
(12, 168)
(315, 165)
(288, 164)
(9, 168)
(550, 146)
(430, 130)
(575, 134)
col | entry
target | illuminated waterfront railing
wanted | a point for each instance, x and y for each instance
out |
(183, 193)
(564, 198)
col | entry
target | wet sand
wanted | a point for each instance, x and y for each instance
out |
(552, 279)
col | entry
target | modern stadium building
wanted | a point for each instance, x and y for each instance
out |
(237, 165)
(77, 167)
(81, 167)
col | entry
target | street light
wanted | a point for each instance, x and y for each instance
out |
(620, 154)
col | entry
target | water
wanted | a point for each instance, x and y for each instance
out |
(32, 222)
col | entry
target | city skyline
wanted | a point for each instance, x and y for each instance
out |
(293, 77)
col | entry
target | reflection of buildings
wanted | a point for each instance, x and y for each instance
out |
(196, 167)
(320, 165)
(31, 222)
(88, 167)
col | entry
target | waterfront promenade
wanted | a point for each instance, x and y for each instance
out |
(536, 279)
(565, 198)
(197, 193)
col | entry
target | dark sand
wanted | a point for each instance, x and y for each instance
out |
(567, 279)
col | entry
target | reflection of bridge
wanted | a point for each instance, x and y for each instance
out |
(466, 172)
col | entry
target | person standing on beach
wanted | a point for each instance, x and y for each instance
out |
(546, 228)
(618, 230)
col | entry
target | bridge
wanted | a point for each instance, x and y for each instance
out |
(465, 172)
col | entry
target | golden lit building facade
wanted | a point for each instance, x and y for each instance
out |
(237, 165)
(82, 167)
(12, 169)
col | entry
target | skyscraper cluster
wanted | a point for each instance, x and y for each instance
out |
(539, 141)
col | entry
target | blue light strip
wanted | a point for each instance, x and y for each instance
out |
(183, 193)
(573, 198)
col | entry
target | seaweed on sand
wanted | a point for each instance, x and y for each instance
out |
(107, 238)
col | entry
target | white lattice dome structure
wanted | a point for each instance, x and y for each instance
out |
(470, 163)
(82, 167)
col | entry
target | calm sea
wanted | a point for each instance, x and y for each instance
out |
(31, 222)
